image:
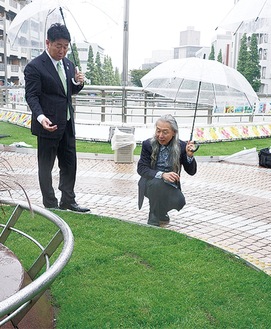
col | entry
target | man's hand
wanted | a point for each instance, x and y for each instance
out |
(79, 77)
(47, 125)
(171, 176)
(190, 147)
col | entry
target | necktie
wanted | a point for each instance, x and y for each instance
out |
(64, 82)
(61, 75)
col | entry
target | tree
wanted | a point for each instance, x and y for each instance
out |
(108, 72)
(253, 70)
(90, 65)
(243, 56)
(219, 56)
(101, 74)
(97, 71)
(117, 77)
(136, 75)
(74, 57)
(212, 53)
(248, 61)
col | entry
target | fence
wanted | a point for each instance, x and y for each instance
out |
(98, 108)
(136, 106)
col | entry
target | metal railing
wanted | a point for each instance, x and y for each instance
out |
(111, 104)
(16, 306)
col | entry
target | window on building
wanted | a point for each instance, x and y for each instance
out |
(263, 73)
(265, 54)
(260, 53)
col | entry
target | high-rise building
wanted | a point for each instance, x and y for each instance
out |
(12, 59)
(261, 27)
(223, 43)
(189, 43)
(29, 41)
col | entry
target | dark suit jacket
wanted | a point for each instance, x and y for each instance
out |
(146, 172)
(45, 94)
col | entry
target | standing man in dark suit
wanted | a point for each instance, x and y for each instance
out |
(161, 160)
(50, 81)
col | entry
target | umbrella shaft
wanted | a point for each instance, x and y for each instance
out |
(195, 112)
(73, 55)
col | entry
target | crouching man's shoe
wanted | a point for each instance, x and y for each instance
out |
(73, 206)
(165, 220)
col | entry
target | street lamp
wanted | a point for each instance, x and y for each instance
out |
(125, 59)
(5, 47)
(3, 18)
(125, 44)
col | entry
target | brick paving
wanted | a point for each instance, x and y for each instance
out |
(227, 203)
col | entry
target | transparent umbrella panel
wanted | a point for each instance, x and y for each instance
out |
(199, 81)
(248, 16)
(29, 26)
(183, 90)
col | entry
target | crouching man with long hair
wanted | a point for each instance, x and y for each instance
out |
(161, 160)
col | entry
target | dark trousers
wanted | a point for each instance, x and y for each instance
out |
(65, 151)
(163, 198)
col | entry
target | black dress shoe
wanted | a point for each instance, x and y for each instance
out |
(152, 220)
(73, 207)
(52, 208)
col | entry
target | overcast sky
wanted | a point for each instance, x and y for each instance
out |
(153, 24)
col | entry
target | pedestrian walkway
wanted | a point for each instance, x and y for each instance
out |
(228, 203)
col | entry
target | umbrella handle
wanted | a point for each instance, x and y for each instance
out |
(196, 148)
(73, 81)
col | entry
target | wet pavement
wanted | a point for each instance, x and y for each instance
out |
(11, 273)
(227, 202)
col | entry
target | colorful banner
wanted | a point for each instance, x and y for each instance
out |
(241, 131)
(18, 118)
(201, 134)
(239, 109)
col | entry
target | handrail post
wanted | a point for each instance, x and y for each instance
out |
(48, 251)
(11, 222)
(124, 105)
(210, 116)
(103, 106)
(145, 106)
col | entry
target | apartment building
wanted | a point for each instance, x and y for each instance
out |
(262, 28)
(12, 59)
(29, 42)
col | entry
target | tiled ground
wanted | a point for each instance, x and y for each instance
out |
(227, 203)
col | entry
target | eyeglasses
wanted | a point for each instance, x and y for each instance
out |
(60, 46)
(164, 132)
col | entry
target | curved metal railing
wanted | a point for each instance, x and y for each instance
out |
(16, 306)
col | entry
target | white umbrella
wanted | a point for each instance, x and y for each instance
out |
(22, 28)
(247, 15)
(179, 79)
(199, 81)
(82, 16)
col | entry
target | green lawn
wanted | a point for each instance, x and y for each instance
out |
(21, 134)
(123, 275)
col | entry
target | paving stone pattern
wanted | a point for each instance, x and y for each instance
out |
(227, 204)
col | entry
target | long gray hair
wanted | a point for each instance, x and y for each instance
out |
(174, 143)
